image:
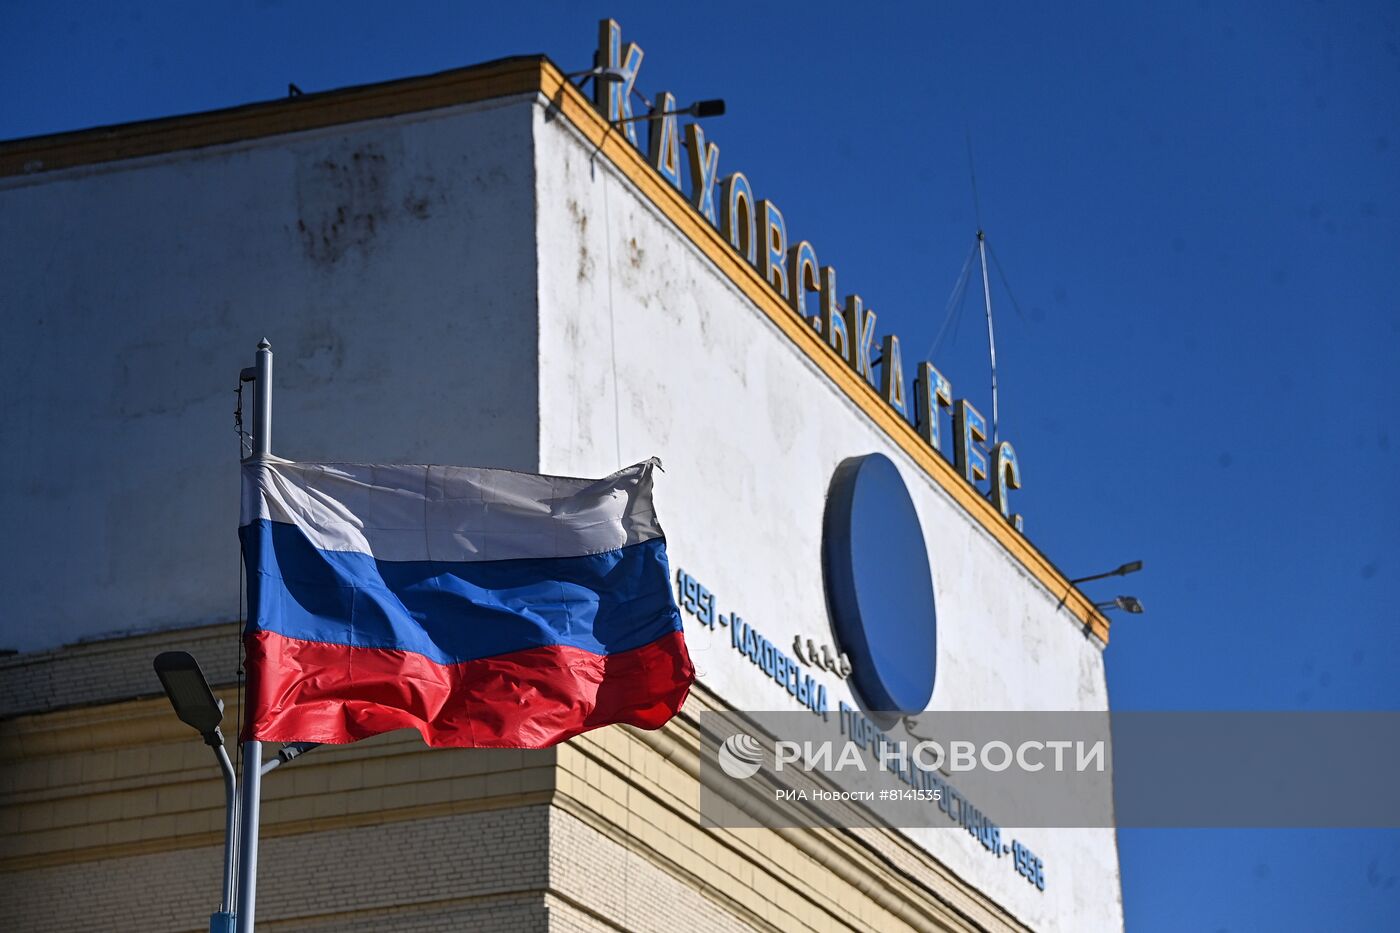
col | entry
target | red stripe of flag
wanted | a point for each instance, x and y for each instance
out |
(305, 691)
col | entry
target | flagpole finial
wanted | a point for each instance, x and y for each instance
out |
(264, 345)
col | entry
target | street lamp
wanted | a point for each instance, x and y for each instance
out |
(199, 709)
(189, 693)
(612, 75)
(700, 109)
(1126, 603)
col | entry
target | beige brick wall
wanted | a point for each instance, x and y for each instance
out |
(625, 889)
(417, 875)
(117, 668)
(510, 913)
(634, 791)
(111, 818)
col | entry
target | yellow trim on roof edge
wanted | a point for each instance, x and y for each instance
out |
(271, 118)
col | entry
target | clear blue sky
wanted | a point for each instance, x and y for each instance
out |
(1197, 207)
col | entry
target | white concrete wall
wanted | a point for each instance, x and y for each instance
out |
(393, 265)
(390, 263)
(646, 349)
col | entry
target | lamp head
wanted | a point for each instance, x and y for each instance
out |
(190, 695)
(1130, 567)
(707, 108)
(613, 75)
(1129, 604)
(610, 75)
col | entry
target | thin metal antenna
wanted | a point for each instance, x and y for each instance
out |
(991, 335)
(986, 284)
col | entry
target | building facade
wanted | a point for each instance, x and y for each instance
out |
(476, 268)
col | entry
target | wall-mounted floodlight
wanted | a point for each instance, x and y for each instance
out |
(189, 693)
(1130, 567)
(1126, 603)
(700, 109)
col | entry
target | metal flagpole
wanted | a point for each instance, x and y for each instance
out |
(252, 750)
(991, 338)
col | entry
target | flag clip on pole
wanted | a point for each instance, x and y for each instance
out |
(252, 750)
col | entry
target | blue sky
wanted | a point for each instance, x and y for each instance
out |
(1197, 209)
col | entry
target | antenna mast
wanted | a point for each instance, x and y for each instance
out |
(991, 336)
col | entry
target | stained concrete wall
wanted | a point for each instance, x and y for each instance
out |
(391, 264)
(647, 349)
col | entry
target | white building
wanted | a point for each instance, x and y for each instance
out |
(464, 268)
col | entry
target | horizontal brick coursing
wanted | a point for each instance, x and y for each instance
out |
(110, 670)
(624, 888)
(418, 875)
(118, 801)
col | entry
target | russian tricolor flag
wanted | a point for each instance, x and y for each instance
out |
(480, 607)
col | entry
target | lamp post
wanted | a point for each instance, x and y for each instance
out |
(1122, 571)
(198, 708)
(700, 109)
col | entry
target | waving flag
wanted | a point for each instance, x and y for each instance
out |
(480, 607)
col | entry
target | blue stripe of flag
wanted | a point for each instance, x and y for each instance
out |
(451, 611)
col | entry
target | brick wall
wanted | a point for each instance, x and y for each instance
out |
(112, 669)
(111, 817)
(434, 874)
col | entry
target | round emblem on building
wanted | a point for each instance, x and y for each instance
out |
(879, 589)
